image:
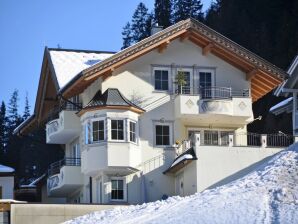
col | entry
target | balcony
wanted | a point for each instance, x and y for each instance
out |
(213, 105)
(64, 177)
(121, 158)
(65, 127)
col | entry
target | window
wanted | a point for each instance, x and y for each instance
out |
(224, 138)
(162, 133)
(0, 192)
(211, 137)
(205, 79)
(161, 78)
(132, 131)
(117, 127)
(117, 191)
(98, 131)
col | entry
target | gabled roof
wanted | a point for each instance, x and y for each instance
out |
(291, 82)
(181, 161)
(68, 63)
(111, 98)
(264, 75)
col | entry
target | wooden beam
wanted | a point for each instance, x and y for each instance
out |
(251, 74)
(207, 48)
(163, 46)
(184, 37)
(106, 76)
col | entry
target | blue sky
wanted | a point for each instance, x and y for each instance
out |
(26, 27)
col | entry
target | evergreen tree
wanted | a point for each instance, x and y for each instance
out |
(149, 22)
(127, 36)
(3, 131)
(27, 108)
(14, 118)
(184, 9)
(139, 23)
(162, 12)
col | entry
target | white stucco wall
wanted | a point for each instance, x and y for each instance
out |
(7, 185)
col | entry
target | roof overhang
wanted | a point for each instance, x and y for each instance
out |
(264, 76)
(95, 108)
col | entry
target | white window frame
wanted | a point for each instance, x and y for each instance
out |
(191, 78)
(209, 71)
(124, 188)
(169, 78)
(170, 124)
(128, 130)
(104, 130)
(90, 141)
(124, 130)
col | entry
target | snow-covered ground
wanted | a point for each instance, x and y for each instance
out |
(267, 195)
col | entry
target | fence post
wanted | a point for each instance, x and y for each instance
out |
(231, 140)
(264, 140)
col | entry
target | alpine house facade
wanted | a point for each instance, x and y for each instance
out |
(166, 116)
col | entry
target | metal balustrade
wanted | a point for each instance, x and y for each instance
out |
(213, 92)
(54, 112)
(55, 167)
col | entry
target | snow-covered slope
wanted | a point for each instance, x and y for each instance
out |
(267, 195)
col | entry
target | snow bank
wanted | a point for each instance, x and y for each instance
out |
(267, 195)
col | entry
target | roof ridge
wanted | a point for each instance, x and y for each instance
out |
(81, 50)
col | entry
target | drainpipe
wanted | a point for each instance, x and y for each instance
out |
(90, 189)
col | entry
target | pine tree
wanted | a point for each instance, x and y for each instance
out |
(127, 36)
(14, 118)
(139, 23)
(184, 9)
(162, 12)
(3, 131)
(27, 108)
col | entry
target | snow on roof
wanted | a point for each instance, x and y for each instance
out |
(266, 195)
(184, 157)
(67, 64)
(10, 201)
(6, 169)
(281, 105)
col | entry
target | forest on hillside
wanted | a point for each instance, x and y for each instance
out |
(267, 28)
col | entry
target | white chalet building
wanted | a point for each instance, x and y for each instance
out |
(131, 134)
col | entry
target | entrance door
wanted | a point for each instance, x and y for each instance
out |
(180, 184)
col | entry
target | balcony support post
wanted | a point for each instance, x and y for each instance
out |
(197, 140)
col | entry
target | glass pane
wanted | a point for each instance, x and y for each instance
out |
(114, 124)
(95, 136)
(157, 84)
(100, 125)
(101, 135)
(164, 85)
(120, 135)
(114, 134)
(120, 124)
(114, 194)
(120, 184)
(158, 140)
(166, 130)
(114, 184)
(166, 140)
(95, 125)
(158, 130)
(165, 75)
(157, 75)
(120, 194)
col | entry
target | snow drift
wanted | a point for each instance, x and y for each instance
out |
(267, 195)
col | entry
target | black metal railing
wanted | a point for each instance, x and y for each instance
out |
(55, 167)
(267, 140)
(54, 112)
(213, 92)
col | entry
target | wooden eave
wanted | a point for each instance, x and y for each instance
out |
(95, 108)
(209, 40)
